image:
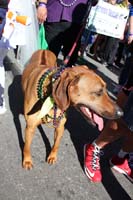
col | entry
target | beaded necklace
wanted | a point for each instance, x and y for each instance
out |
(58, 73)
(67, 5)
(54, 73)
(43, 80)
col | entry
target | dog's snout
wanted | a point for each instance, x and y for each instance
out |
(119, 112)
(115, 114)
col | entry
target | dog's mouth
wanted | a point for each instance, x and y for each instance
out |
(91, 117)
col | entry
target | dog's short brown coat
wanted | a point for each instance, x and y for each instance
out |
(77, 86)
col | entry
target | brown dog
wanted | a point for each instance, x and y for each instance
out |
(77, 86)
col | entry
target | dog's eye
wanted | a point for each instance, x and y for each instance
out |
(99, 93)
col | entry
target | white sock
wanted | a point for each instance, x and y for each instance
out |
(122, 153)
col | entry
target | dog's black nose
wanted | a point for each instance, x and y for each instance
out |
(119, 112)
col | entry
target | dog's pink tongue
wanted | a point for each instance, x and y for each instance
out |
(94, 117)
(99, 121)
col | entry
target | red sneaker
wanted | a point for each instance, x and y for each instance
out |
(91, 162)
(120, 165)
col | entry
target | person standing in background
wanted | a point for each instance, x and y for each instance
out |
(13, 23)
(111, 43)
(130, 34)
(63, 21)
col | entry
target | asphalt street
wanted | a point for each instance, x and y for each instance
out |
(64, 180)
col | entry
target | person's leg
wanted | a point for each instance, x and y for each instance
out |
(107, 48)
(126, 71)
(114, 43)
(119, 53)
(2, 86)
(96, 46)
(3, 53)
(54, 36)
(113, 130)
(124, 74)
(128, 119)
(69, 39)
(124, 128)
(123, 162)
(2, 20)
(63, 34)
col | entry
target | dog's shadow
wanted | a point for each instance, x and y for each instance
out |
(81, 133)
(16, 104)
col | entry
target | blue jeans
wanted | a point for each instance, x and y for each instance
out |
(2, 16)
(128, 112)
(3, 52)
(126, 71)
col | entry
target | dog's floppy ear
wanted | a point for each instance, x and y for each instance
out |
(60, 90)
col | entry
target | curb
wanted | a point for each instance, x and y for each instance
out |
(11, 64)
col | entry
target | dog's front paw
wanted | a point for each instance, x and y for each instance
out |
(27, 164)
(52, 158)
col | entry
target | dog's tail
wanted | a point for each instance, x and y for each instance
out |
(44, 57)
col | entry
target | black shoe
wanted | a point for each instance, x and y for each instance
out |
(111, 67)
(118, 64)
(91, 50)
(103, 62)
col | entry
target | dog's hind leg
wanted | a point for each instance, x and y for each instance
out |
(52, 158)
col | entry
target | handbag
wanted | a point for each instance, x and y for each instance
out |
(42, 43)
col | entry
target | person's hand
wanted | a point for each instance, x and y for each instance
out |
(130, 39)
(122, 37)
(41, 14)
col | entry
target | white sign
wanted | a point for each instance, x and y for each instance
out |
(108, 19)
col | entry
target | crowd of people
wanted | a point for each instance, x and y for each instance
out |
(109, 50)
(63, 21)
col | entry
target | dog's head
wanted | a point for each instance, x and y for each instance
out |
(85, 90)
